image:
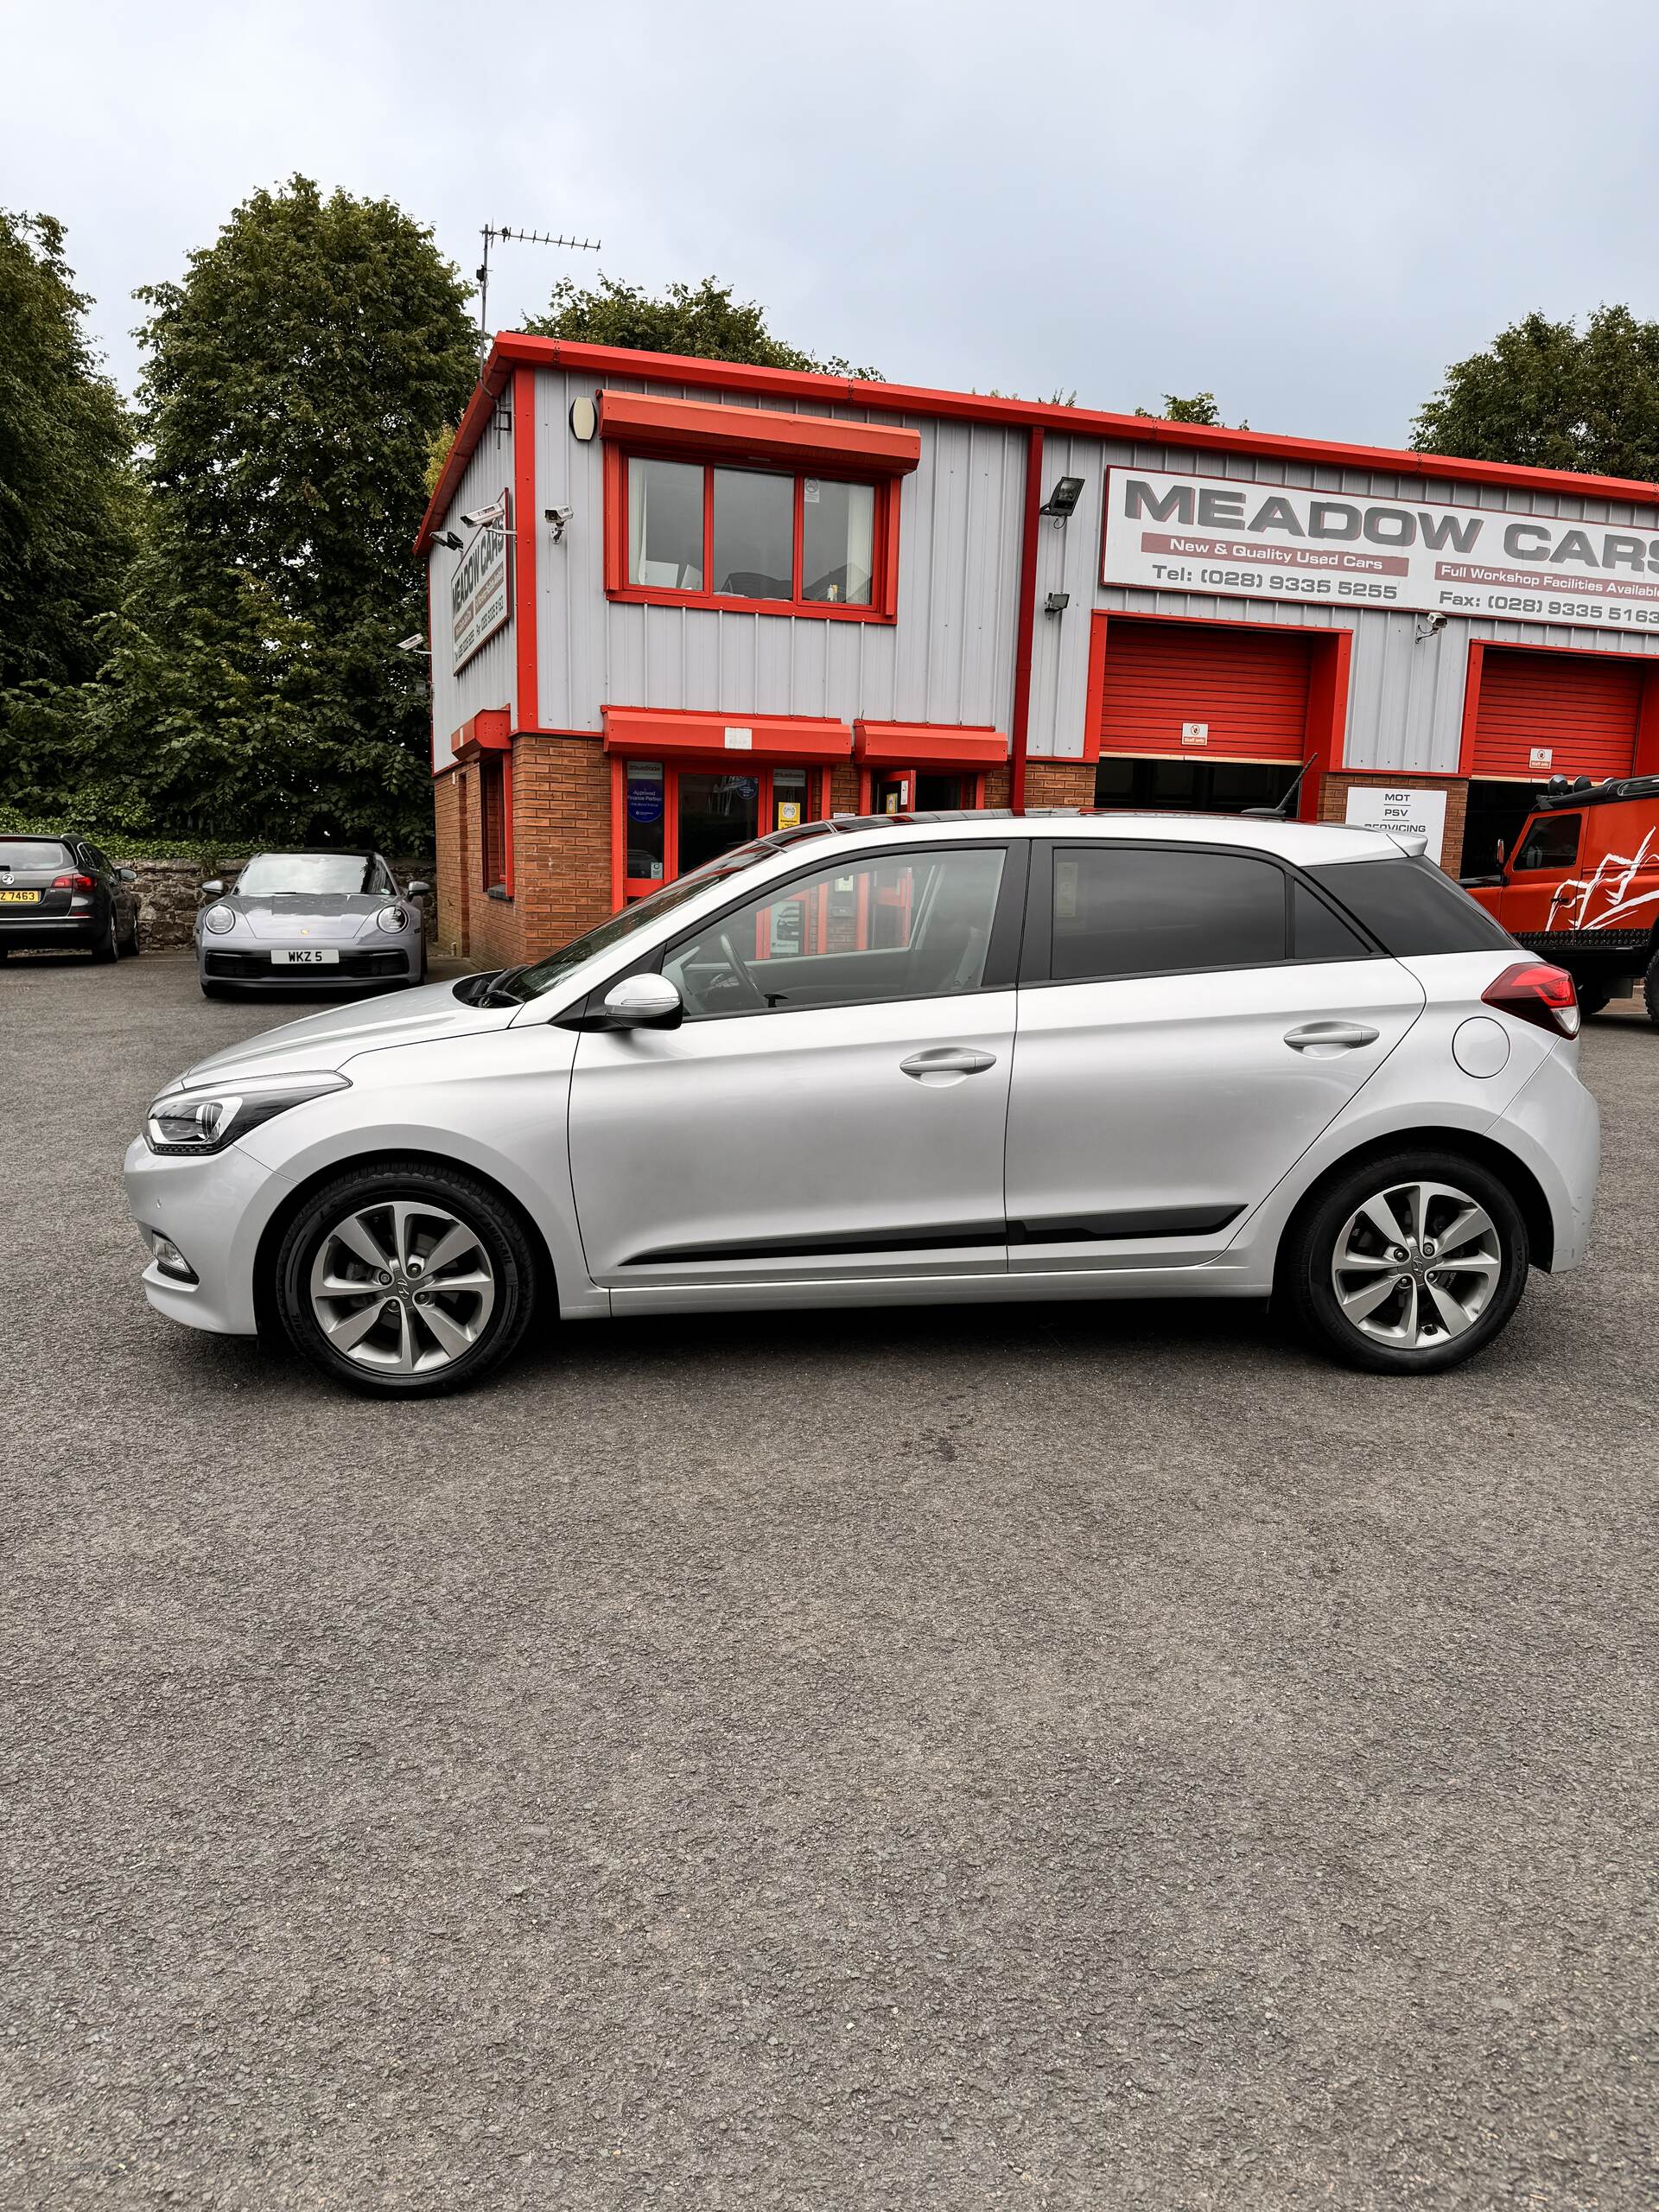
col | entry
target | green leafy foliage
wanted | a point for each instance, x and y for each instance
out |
(1550, 395)
(702, 319)
(67, 496)
(1200, 407)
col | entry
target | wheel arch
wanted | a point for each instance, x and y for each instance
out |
(296, 1200)
(1497, 1158)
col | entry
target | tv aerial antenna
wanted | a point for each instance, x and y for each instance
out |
(490, 233)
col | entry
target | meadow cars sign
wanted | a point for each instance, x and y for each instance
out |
(1269, 541)
(479, 593)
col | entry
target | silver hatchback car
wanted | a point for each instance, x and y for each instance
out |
(907, 1059)
(330, 918)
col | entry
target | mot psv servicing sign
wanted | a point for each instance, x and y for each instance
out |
(1248, 541)
(480, 594)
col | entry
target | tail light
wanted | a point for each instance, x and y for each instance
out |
(73, 883)
(1533, 991)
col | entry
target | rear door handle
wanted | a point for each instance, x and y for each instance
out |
(947, 1059)
(1323, 1039)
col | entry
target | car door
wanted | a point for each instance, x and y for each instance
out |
(1190, 1019)
(1537, 893)
(833, 1106)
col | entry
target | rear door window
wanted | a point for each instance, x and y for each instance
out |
(1126, 910)
(1410, 907)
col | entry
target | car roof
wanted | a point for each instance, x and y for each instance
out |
(1308, 843)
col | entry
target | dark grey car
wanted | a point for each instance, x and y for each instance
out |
(328, 918)
(63, 893)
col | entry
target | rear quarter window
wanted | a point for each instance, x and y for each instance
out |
(1409, 906)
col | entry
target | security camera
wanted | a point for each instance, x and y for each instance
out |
(414, 643)
(1430, 625)
(558, 517)
(475, 518)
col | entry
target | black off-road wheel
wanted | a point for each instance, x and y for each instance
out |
(1408, 1265)
(404, 1280)
(1650, 988)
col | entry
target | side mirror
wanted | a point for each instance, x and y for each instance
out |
(643, 1002)
(215, 889)
(417, 891)
(126, 876)
(1501, 853)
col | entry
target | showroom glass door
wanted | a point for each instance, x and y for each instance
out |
(668, 819)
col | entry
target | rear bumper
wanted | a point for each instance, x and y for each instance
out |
(20, 929)
(1555, 1124)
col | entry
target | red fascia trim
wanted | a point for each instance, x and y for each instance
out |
(805, 442)
(774, 737)
(524, 519)
(488, 731)
(513, 347)
(475, 420)
(1325, 727)
(1025, 623)
(903, 744)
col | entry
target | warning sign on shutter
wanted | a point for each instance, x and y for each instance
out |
(1540, 757)
(1195, 733)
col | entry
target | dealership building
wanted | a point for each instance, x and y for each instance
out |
(676, 602)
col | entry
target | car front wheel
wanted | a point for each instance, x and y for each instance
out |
(1410, 1264)
(405, 1280)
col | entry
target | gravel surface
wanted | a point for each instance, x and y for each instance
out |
(1039, 1758)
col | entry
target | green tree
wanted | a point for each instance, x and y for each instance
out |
(294, 384)
(1201, 407)
(67, 499)
(702, 319)
(1553, 396)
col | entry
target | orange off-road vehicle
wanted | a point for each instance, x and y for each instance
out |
(1582, 886)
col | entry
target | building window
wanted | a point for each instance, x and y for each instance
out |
(493, 821)
(670, 819)
(753, 537)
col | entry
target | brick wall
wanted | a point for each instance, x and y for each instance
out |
(448, 877)
(1059, 783)
(562, 839)
(1334, 803)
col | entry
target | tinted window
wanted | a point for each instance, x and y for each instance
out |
(1410, 907)
(1317, 933)
(1551, 841)
(1120, 911)
(34, 852)
(904, 926)
(531, 982)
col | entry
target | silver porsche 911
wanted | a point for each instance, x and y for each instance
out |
(335, 918)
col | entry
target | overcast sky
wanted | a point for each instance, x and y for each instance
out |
(1308, 207)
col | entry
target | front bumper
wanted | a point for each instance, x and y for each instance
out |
(359, 967)
(215, 1210)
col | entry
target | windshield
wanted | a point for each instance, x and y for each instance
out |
(32, 852)
(531, 982)
(270, 875)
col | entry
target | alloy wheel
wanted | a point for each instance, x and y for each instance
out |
(403, 1286)
(1416, 1264)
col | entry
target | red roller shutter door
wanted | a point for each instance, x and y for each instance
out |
(1248, 686)
(1582, 710)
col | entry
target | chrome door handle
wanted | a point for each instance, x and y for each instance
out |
(948, 1059)
(1324, 1038)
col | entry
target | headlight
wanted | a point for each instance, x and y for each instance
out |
(206, 1121)
(393, 917)
(218, 919)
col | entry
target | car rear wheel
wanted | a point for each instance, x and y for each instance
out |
(108, 947)
(405, 1280)
(1408, 1265)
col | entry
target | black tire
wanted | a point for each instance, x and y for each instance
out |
(481, 1210)
(217, 990)
(1593, 998)
(132, 948)
(1311, 1250)
(108, 948)
(1650, 988)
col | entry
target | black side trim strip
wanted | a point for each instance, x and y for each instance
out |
(1103, 1228)
(926, 1237)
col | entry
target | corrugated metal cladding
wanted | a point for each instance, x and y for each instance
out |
(487, 680)
(1249, 692)
(1584, 712)
(1406, 693)
(949, 658)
